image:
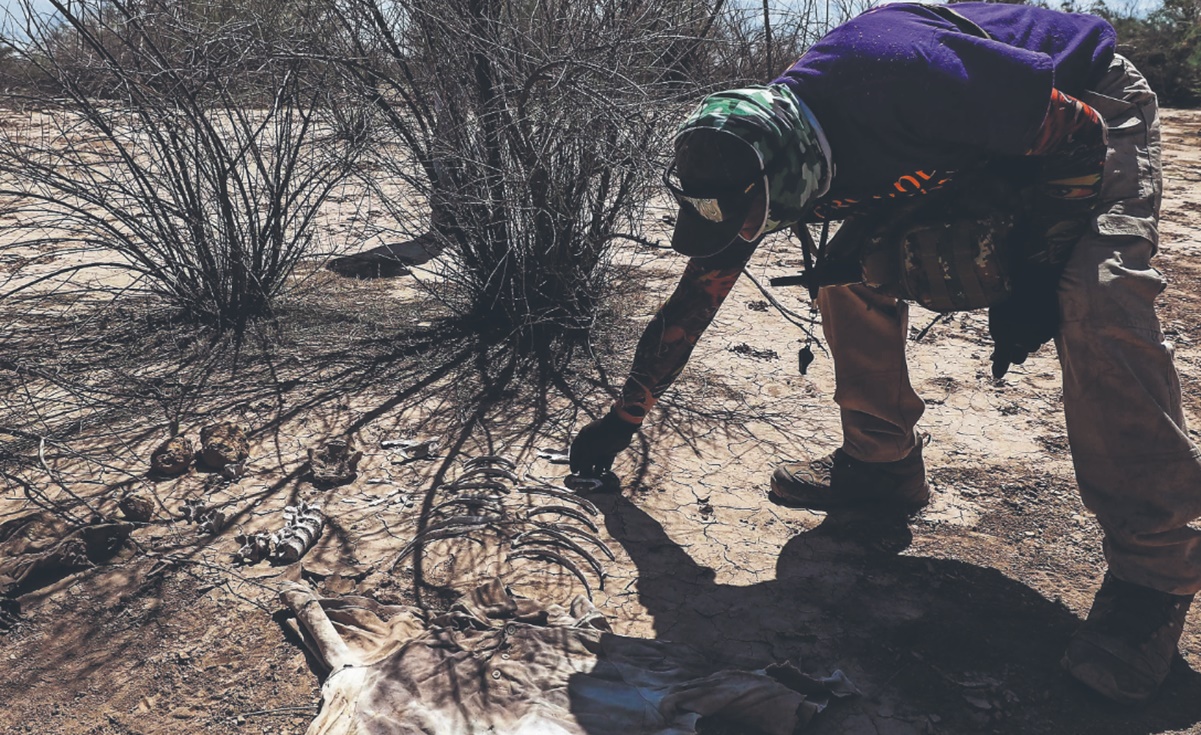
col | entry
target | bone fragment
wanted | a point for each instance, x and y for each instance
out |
(570, 497)
(544, 536)
(330, 646)
(254, 547)
(563, 510)
(548, 555)
(208, 520)
(224, 443)
(136, 507)
(488, 472)
(489, 460)
(303, 524)
(412, 448)
(172, 457)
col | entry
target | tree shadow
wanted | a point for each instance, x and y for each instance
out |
(128, 378)
(936, 645)
(121, 379)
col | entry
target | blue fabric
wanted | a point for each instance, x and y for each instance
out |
(906, 98)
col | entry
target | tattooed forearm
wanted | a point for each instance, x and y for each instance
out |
(669, 338)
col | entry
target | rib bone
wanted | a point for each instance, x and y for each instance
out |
(578, 533)
(570, 497)
(524, 539)
(490, 459)
(548, 555)
(563, 510)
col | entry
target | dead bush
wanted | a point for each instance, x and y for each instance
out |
(159, 151)
(532, 135)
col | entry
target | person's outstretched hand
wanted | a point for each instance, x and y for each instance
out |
(597, 444)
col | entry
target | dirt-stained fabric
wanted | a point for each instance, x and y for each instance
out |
(39, 548)
(505, 665)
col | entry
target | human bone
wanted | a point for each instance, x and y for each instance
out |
(412, 448)
(208, 520)
(136, 507)
(303, 524)
(392, 671)
(172, 457)
(335, 463)
(222, 444)
(253, 547)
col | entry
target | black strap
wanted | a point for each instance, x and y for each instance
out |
(807, 249)
(815, 260)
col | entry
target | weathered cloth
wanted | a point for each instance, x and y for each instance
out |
(504, 665)
(1136, 466)
(41, 548)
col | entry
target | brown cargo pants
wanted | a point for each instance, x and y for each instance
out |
(1135, 464)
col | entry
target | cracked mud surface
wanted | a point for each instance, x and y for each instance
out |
(951, 623)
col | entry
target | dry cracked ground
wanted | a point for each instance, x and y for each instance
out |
(953, 623)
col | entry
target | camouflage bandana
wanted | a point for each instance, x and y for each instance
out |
(783, 133)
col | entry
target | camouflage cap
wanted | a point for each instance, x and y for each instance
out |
(773, 122)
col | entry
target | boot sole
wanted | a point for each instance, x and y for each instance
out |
(1098, 674)
(777, 497)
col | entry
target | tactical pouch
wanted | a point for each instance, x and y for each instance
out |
(948, 250)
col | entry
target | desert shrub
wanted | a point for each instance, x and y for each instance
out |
(239, 40)
(198, 177)
(1165, 45)
(1163, 41)
(524, 138)
(754, 43)
(531, 134)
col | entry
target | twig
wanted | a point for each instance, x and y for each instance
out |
(57, 481)
(644, 241)
(788, 314)
(276, 711)
(929, 326)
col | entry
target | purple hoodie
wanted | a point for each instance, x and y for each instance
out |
(906, 97)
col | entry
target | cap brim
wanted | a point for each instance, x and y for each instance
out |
(698, 237)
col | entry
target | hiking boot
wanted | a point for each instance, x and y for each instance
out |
(840, 481)
(1125, 648)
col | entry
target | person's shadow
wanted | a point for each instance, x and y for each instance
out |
(935, 645)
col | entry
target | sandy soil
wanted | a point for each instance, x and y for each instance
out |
(952, 624)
